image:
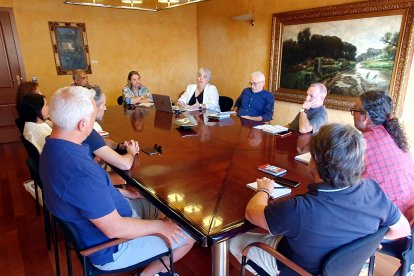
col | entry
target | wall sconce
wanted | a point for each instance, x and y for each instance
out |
(245, 17)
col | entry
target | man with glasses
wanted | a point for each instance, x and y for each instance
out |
(387, 157)
(313, 114)
(80, 78)
(255, 103)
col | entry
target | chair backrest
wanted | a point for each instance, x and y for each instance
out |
(120, 100)
(226, 103)
(31, 150)
(33, 166)
(407, 256)
(71, 234)
(349, 258)
(19, 124)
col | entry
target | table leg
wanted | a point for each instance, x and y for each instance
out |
(220, 259)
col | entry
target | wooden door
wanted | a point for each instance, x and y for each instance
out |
(10, 75)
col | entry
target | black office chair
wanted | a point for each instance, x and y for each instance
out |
(33, 154)
(225, 103)
(19, 124)
(72, 237)
(402, 249)
(345, 260)
(120, 100)
(33, 166)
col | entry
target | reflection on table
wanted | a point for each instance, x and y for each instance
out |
(200, 180)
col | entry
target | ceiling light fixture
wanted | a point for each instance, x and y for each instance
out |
(142, 5)
(169, 1)
(132, 1)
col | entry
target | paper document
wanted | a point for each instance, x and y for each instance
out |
(146, 104)
(220, 115)
(278, 191)
(272, 128)
(305, 158)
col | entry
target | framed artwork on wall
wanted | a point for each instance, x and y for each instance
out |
(70, 47)
(351, 48)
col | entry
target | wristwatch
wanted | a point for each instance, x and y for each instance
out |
(304, 110)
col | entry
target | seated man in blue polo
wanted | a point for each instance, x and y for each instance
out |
(78, 190)
(255, 103)
(339, 208)
(313, 114)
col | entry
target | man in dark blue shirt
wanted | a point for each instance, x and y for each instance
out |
(255, 103)
(79, 191)
(338, 209)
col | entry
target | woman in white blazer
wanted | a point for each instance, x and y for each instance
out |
(202, 95)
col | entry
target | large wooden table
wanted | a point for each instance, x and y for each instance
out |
(200, 180)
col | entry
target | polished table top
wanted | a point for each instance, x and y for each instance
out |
(200, 178)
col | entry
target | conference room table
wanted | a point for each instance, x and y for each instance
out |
(199, 177)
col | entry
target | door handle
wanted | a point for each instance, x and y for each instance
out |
(18, 79)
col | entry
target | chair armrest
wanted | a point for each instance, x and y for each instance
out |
(89, 251)
(277, 255)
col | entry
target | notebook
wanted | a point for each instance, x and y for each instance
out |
(305, 158)
(162, 103)
(279, 190)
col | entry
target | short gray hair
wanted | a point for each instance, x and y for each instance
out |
(338, 152)
(76, 73)
(258, 75)
(69, 105)
(204, 71)
(98, 93)
(322, 88)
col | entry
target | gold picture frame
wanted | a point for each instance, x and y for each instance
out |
(288, 80)
(70, 47)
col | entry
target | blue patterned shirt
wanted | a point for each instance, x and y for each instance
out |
(129, 93)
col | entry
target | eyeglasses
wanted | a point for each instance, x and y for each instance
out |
(251, 83)
(353, 110)
(158, 148)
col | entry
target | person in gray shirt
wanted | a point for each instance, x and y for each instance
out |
(313, 114)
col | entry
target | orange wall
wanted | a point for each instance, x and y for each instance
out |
(162, 46)
(6, 3)
(167, 47)
(233, 49)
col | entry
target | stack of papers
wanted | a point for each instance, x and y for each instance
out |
(186, 122)
(272, 128)
(103, 133)
(146, 104)
(305, 158)
(220, 115)
(278, 191)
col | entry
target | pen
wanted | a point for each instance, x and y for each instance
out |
(280, 187)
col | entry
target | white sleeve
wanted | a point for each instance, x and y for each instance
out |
(186, 96)
(36, 134)
(211, 98)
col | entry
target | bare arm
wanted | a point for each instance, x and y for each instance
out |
(123, 162)
(304, 125)
(115, 226)
(257, 204)
(399, 230)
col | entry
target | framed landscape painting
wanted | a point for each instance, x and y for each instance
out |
(350, 48)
